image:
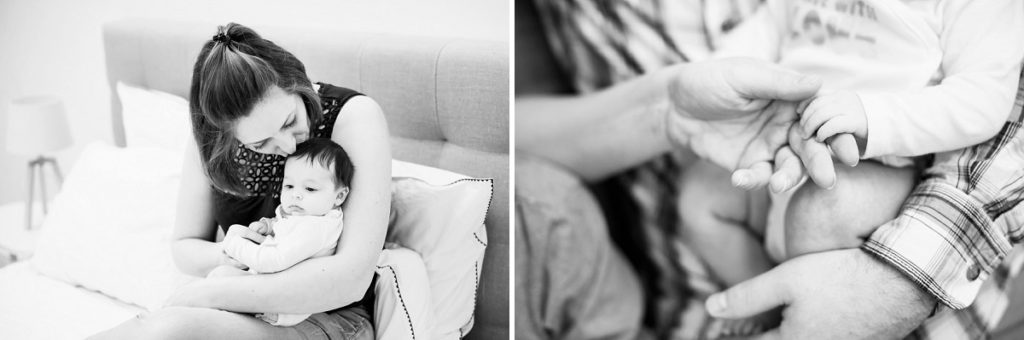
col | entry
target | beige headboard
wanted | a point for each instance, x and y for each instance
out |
(446, 102)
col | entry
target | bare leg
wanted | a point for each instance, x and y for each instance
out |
(863, 199)
(722, 223)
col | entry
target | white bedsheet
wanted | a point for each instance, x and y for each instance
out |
(33, 306)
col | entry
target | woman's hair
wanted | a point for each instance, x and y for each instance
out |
(325, 152)
(233, 72)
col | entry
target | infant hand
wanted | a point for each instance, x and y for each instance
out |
(238, 230)
(831, 114)
(261, 226)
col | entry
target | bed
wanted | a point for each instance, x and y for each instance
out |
(446, 101)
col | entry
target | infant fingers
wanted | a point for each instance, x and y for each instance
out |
(813, 117)
(845, 148)
(815, 158)
(835, 126)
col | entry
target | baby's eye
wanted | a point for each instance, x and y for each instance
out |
(311, 189)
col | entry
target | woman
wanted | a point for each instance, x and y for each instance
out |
(251, 103)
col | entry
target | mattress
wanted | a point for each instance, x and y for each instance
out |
(33, 306)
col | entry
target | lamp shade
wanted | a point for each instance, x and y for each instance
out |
(37, 125)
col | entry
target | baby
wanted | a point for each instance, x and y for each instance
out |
(308, 222)
(904, 78)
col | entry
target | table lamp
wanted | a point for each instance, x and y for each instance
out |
(37, 125)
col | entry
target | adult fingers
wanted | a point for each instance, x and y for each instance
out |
(844, 146)
(762, 80)
(815, 158)
(788, 171)
(759, 294)
(755, 176)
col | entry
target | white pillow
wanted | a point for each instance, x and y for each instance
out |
(402, 307)
(440, 215)
(154, 118)
(110, 226)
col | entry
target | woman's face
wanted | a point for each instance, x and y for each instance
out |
(276, 124)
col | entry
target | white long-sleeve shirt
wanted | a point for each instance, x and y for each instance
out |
(295, 239)
(932, 75)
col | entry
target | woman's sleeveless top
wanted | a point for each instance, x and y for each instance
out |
(265, 172)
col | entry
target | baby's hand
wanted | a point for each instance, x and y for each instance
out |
(262, 226)
(238, 230)
(831, 114)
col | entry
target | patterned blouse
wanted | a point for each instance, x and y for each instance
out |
(265, 172)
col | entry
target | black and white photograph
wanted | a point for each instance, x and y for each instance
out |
(778, 169)
(512, 169)
(255, 169)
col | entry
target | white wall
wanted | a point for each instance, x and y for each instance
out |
(55, 47)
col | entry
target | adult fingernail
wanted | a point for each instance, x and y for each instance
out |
(716, 305)
(740, 180)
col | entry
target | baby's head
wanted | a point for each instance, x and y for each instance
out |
(316, 178)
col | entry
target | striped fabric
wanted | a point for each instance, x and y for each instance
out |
(953, 237)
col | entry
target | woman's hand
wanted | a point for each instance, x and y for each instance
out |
(736, 112)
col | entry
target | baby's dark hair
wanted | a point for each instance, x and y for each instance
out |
(325, 152)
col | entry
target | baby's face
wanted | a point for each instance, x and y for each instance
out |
(308, 189)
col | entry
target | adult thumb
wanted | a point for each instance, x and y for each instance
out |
(758, 79)
(749, 298)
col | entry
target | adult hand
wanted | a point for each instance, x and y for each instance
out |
(736, 112)
(798, 158)
(839, 294)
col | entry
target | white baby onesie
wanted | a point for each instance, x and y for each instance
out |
(293, 240)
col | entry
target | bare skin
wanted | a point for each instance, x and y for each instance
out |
(312, 286)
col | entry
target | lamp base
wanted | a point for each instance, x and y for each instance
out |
(34, 166)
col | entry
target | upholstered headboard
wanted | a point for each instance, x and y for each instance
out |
(446, 101)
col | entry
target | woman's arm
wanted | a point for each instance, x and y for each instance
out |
(329, 282)
(594, 136)
(597, 135)
(710, 107)
(193, 248)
